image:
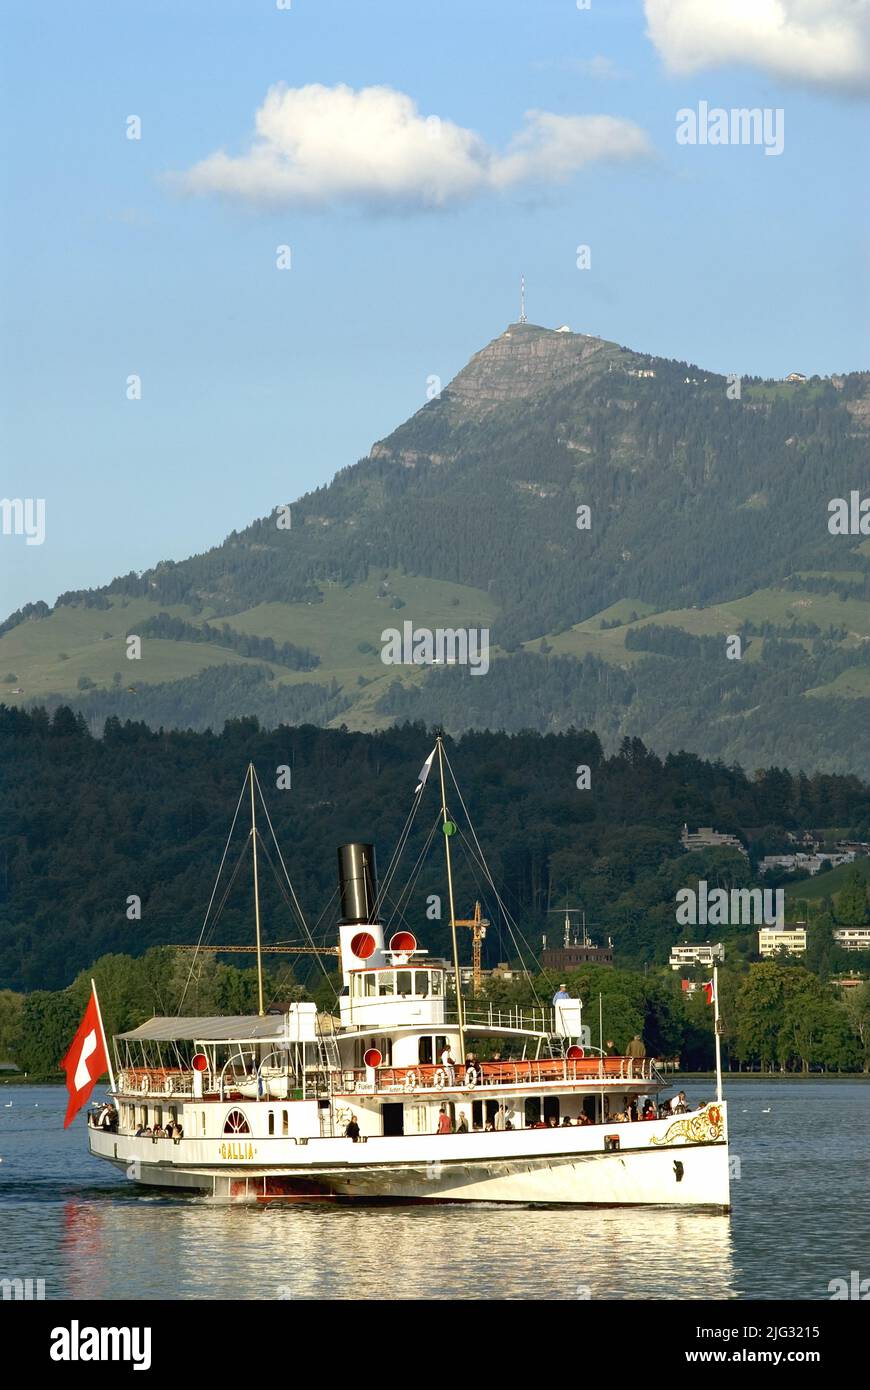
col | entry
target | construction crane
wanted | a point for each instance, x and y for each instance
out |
(478, 927)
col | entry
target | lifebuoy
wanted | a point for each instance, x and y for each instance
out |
(439, 1080)
(470, 1077)
(167, 1086)
(143, 1086)
(410, 1080)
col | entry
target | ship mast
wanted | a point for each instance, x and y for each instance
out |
(261, 1010)
(448, 828)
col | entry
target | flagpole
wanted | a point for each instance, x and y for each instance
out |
(716, 1029)
(457, 974)
(103, 1035)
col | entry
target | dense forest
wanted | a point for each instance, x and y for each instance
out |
(88, 824)
(684, 694)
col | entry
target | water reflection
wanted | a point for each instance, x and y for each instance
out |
(196, 1250)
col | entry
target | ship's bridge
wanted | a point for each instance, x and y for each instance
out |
(395, 986)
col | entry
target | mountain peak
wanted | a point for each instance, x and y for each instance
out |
(522, 361)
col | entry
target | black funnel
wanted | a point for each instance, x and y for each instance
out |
(358, 882)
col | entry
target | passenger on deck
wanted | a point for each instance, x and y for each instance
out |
(610, 1049)
(169, 1130)
(473, 1065)
(561, 994)
(488, 1127)
(445, 1122)
(462, 1127)
(631, 1110)
(449, 1066)
(678, 1103)
(351, 1129)
(566, 1122)
(140, 1130)
(179, 1132)
(499, 1118)
(157, 1132)
(583, 1118)
(649, 1110)
(553, 1122)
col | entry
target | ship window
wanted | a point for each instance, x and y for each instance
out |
(424, 1051)
(437, 982)
(387, 982)
(421, 983)
(532, 1111)
(285, 1122)
(202, 1113)
(235, 1123)
(370, 982)
(404, 982)
(271, 1121)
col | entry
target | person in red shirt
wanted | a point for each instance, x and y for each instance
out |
(445, 1122)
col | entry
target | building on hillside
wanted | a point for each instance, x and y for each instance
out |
(792, 940)
(857, 848)
(707, 838)
(559, 958)
(795, 376)
(811, 864)
(577, 947)
(849, 982)
(852, 938)
(694, 954)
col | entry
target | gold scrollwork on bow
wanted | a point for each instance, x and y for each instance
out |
(704, 1128)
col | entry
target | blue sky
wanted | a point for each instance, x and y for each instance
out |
(258, 384)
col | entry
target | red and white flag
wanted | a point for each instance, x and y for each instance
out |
(86, 1060)
(709, 991)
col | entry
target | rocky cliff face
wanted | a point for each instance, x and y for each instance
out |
(523, 361)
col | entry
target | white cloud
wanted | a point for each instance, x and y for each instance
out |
(320, 145)
(820, 42)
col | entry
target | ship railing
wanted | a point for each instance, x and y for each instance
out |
(156, 1081)
(527, 1020)
(426, 1076)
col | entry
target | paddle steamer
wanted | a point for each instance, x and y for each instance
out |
(407, 1091)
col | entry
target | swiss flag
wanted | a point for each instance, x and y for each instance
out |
(85, 1061)
(709, 991)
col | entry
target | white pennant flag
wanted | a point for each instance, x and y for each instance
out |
(424, 773)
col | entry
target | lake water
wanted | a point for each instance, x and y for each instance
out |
(801, 1218)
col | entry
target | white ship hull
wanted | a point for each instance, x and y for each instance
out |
(676, 1162)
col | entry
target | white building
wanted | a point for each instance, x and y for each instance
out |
(852, 938)
(686, 954)
(793, 940)
(807, 863)
(705, 837)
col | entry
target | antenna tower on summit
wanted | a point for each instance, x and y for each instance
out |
(522, 299)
